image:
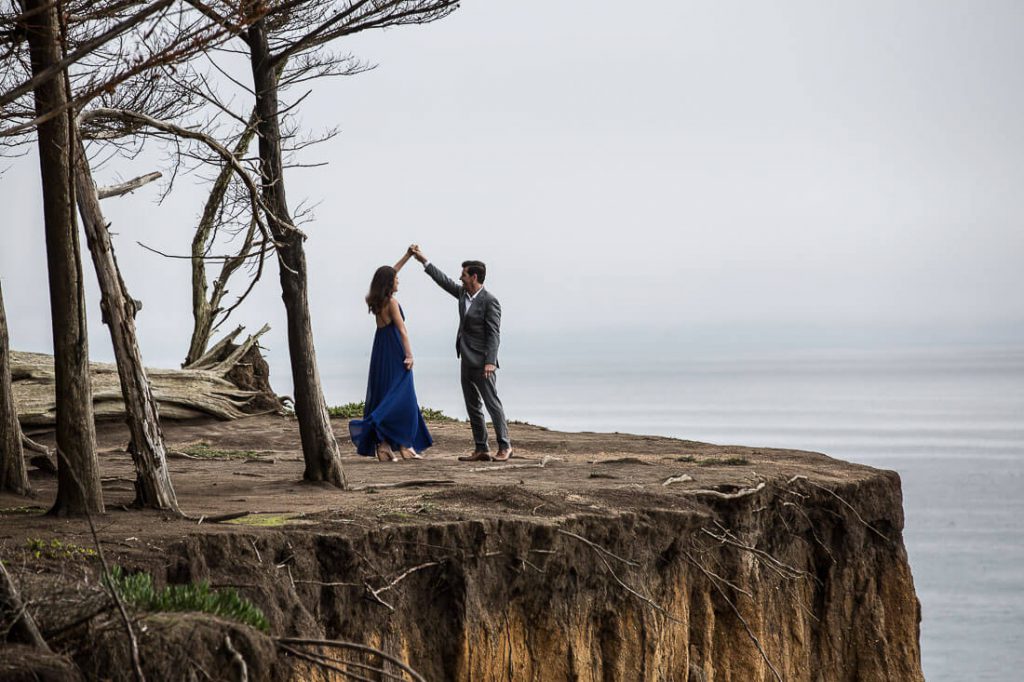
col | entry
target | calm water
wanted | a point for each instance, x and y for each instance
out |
(950, 421)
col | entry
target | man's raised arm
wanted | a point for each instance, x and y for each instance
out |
(443, 281)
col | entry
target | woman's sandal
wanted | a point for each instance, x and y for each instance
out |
(386, 454)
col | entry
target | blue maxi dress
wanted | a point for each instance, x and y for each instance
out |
(391, 413)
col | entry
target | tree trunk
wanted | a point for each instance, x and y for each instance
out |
(319, 447)
(13, 476)
(78, 480)
(153, 487)
(204, 309)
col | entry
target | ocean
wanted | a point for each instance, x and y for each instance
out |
(949, 420)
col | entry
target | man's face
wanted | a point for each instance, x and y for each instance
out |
(468, 281)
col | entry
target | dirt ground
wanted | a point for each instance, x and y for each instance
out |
(492, 557)
(256, 466)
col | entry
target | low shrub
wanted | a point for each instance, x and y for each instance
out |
(137, 589)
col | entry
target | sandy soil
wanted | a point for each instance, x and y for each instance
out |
(553, 474)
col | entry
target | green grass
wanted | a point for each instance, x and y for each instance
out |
(519, 422)
(137, 589)
(355, 411)
(432, 415)
(726, 462)
(57, 549)
(205, 451)
(347, 411)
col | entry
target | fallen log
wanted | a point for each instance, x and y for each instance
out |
(180, 393)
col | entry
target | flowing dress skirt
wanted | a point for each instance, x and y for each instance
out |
(391, 414)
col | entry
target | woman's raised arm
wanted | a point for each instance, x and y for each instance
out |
(404, 259)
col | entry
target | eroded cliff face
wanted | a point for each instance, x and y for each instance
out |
(793, 582)
(789, 567)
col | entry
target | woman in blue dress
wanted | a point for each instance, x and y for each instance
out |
(391, 417)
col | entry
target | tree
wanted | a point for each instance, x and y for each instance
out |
(153, 488)
(292, 36)
(319, 446)
(207, 310)
(274, 33)
(78, 481)
(98, 30)
(13, 476)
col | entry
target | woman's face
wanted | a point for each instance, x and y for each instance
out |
(394, 289)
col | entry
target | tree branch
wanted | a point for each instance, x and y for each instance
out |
(130, 186)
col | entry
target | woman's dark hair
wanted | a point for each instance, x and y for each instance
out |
(475, 267)
(381, 287)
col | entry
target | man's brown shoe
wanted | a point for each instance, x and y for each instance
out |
(503, 455)
(477, 456)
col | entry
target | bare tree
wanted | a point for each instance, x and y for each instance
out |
(305, 27)
(273, 33)
(13, 477)
(100, 32)
(153, 487)
(207, 310)
(78, 481)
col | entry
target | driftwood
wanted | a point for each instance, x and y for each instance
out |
(181, 393)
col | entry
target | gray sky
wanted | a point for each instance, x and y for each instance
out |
(810, 171)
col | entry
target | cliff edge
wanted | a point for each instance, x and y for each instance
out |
(586, 557)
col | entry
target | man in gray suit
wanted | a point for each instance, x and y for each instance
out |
(477, 344)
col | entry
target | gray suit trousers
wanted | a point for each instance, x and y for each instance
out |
(481, 392)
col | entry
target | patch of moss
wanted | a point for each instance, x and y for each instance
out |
(725, 462)
(206, 451)
(57, 549)
(28, 511)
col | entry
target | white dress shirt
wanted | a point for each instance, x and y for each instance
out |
(469, 300)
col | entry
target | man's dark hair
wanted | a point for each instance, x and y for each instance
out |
(475, 267)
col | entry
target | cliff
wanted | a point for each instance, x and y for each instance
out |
(588, 557)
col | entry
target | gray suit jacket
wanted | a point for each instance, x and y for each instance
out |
(480, 328)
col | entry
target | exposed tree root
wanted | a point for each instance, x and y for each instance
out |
(291, 642)
(727, 496)
(22, 625)
(735, 610)
(845, 503)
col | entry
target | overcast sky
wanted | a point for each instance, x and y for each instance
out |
(817, 170)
